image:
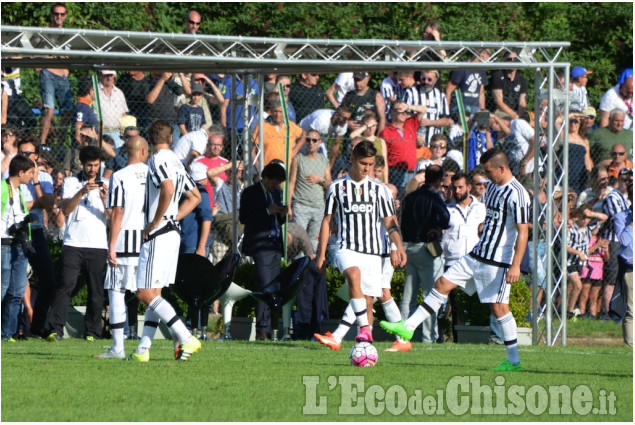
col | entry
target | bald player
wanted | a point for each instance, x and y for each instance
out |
(126, 196)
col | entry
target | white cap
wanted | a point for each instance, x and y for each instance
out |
(198, 171)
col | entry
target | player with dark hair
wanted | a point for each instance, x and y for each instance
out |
(493, 264)
(361, 204)
(167, 182)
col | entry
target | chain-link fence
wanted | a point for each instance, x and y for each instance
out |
(370, 107)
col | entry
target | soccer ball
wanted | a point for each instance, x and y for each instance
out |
(363, 354)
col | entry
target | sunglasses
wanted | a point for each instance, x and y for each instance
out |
(193, 22)
(27, 153)
(399, 112)
(574, 122)
(437, 147)
(309, 140)
(8, 133)
(618, 153)
(427, 79)
(445, 187)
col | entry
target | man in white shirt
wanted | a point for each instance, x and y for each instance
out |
(328, 123)
(191, 145)
(14, 263)
(85, 245)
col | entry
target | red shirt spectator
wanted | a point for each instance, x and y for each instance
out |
(402, 144)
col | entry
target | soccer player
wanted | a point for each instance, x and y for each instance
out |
(334, 340)
(361, 204)
(493, 264)
(125, 200)
(167, 182)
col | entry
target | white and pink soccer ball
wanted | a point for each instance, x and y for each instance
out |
(363, 354)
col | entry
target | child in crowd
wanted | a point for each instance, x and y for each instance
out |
(592, 274)
(191, 116)
(578, 238)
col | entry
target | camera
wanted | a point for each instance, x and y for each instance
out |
(482, 120)
(20, 233)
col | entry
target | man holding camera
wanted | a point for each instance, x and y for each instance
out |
(16, 233)
(38, 195)
(85, 245)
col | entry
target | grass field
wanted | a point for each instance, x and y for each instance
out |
(263, 381)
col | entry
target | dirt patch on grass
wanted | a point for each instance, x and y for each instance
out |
(595, 341)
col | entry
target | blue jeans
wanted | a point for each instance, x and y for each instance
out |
(53, 87)
(14, 264)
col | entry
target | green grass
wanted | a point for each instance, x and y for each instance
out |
(263, 381)
(586, 328)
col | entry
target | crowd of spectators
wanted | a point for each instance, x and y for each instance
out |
(411, 117)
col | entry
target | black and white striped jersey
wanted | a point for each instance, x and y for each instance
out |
(165, 165)
(437, 106)
(507, 205)
(127, 190)
(410, 95)
(360, 206)
(579, 239)
(614, 203)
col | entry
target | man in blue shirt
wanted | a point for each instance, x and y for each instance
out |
(624, 232)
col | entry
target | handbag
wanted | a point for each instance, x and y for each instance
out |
(434, 248)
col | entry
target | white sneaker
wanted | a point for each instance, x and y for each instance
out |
(110, 354)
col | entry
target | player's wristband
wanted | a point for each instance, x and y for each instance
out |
(393, 246)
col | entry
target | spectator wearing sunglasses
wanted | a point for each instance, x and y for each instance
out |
(54, 85)
(309, 178)
(603, 139)
(618, 160)
(192, 22)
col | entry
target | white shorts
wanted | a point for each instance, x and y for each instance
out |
(121, 277)
(485, 279)
(387, 271)
(158, 260)
(369, 267)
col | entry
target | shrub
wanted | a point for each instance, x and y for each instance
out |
(472, 312)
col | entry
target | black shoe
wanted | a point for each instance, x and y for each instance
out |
(262, 336)
(39, 333)
(20, 337)
(54, 337)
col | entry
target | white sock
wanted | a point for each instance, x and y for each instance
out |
(392, 314)
(431, 305)
(149, 329)
(391, 311)
(359, 308)
(510, 336)
(348, 319)
(168, 315)
(117, 302)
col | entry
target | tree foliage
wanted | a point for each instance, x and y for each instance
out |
(601, 34)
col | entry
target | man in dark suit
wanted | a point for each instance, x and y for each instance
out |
(262, 213)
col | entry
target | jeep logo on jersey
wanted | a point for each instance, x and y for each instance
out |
(493, 214)
(359, 207)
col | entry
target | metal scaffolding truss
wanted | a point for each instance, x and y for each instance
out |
(125, 50)
(251, 56)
